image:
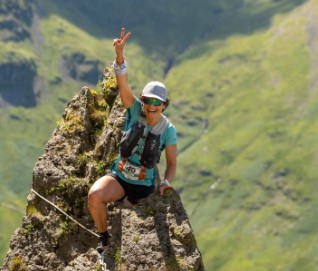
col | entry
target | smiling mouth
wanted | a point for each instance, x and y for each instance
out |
(152, 111)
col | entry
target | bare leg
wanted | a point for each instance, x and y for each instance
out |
(103, 191)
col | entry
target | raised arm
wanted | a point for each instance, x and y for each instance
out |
(120, 67)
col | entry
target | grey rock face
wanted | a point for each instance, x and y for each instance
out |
(79, 67)
(154, 234)
(16, 83)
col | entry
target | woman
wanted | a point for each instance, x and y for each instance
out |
(147, 133)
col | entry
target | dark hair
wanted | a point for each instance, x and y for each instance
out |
(167, 102)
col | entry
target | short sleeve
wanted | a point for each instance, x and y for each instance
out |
(170, 136)
(133, 114)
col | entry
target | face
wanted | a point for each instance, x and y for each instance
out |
(152, 106)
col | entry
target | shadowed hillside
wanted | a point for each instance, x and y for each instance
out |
(170, 27)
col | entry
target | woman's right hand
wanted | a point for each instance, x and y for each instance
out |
(119, 46)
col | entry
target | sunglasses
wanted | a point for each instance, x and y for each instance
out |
(152, 101)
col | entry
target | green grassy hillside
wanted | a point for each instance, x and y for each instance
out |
(249, 179)
(243, 89)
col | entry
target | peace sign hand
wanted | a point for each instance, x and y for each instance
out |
(120, 44)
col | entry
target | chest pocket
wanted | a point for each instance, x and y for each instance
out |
(150, 155)
(131, 139)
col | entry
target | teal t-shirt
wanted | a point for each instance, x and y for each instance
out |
(168, 137)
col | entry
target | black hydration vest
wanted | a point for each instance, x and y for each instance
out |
(150, 153)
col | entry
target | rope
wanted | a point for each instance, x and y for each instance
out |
(59, 209)
(101, 256)
(102, 261)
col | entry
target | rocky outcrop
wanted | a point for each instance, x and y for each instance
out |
(153, 234)
(17, 71)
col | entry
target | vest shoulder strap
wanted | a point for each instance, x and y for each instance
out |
(160, 127)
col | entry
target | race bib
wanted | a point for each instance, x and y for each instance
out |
(133, 172)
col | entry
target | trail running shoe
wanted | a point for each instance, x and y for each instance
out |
(103, 242)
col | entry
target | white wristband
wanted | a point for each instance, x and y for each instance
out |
(165, 182)
(120, 69)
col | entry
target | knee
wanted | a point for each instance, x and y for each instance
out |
(94, 197)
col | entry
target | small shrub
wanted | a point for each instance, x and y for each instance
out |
(28, 228)
(100, 167)
(17, 264)
(136, 238)
(82, 159)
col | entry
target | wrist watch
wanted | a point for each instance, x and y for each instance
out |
(165, 182)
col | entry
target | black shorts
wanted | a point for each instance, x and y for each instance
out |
(134, 192)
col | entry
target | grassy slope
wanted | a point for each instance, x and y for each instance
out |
(253, 207)
(228, 141)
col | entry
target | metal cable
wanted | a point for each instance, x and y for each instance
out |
(59, 209)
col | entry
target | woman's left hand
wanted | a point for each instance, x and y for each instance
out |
(163, 187)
